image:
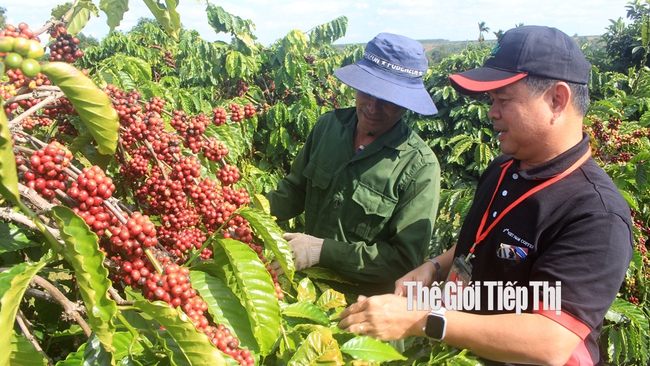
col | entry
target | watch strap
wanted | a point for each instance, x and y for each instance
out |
(438, 269)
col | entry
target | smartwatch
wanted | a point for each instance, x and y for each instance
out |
(436, 324)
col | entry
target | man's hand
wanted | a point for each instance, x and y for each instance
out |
(306, 249)
(424, 274)
(427, 272)
(384, 317)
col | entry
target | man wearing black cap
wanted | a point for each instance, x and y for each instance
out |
(546, 220)
(367, 183)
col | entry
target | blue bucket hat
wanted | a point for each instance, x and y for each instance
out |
(391, 69)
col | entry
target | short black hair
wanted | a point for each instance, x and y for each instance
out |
(579, 92)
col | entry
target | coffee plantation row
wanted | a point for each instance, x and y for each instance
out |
(133, 224)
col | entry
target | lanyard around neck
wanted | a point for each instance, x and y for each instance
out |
(482, 234)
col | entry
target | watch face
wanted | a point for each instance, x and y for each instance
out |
(435, 327)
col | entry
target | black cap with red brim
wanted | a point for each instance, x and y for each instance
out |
(528, 50)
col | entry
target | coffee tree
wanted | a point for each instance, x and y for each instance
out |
(133, 228)
(129, 235)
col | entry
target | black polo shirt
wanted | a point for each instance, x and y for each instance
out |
(577, 231)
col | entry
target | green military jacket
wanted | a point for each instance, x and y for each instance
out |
(375, 209)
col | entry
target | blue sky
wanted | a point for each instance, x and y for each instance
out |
(418, 19)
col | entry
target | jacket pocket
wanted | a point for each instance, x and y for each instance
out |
(318, 176)
(318, 181)
(375, 209)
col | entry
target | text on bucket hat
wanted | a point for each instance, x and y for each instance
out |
(391, 69)
(527, 50)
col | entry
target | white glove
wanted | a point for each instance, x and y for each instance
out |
(306, 249)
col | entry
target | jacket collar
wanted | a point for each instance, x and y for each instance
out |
(397, 137)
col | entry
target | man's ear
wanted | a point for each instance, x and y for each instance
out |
(560, 98)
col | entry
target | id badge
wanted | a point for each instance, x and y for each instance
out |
(460, 274)
(461, 271)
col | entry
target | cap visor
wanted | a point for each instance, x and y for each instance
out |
(483, 79)
(416, 99)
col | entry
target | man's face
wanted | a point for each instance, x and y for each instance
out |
(376, 116)
(523, 122)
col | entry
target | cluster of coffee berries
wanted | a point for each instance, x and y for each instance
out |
(65, 48)
(62, 107)
(7, 91)
(228, 175)
(131, 238)
(20, 49)
(241, 88)
(219, 116)
(89, 191)
(214, 149)
(18, 79)
(47, 172)
(32, 121)
(310, 59)
(249, 111)
(236, 112)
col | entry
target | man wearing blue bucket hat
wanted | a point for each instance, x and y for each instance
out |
(368, 184)
(547, 241)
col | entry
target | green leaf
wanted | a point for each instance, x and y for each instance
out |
(631, 200)
(12, 238)
(224, 307)
(222, 21)
(641, 177)
(114, 10)
(170, 348)
(167, 16)
(306, 290)
(328, 33)
(60, 10)
(80, 17)
(82, 248)
(260, 202)
(266, 228)
(256, 291)
(644, 120)
(307, 311)
(80, 142)
(319, 348)
(23, 352)
(195, 345)
(630, 311)
(462, 146)
(483, 156)
(90, 353)
(331, 299)
(132, 72)
(124, 345)
(617, 344)
(321, 273)
(93, 105)
(370, 349)
(8, 172)
(235, 64)
(291, 65)
(13, 284)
